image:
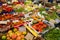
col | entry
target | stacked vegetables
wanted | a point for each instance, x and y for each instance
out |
(25, 14)
(14, 35)
(53, 35)
(39, 26)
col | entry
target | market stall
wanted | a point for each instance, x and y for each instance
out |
(25, 20)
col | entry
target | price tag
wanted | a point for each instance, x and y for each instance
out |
(3, 22)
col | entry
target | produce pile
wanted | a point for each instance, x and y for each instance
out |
(53, 35)
(14, 35)
(15, 18)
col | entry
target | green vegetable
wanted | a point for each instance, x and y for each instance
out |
(19, 10)
(47, 16)
(53, 35)
(41, 9)
(57, 7)
(28, 2)
(54, 15)
(51, 16)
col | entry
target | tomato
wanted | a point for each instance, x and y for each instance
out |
(44, 25)
(41, 23)
(34, 27)
(40, 30)
(9, 9)
(41, 27)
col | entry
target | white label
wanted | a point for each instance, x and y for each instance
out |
(3, 22)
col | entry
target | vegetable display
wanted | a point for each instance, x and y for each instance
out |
(20, 19)
(53, 35)
(39, 26)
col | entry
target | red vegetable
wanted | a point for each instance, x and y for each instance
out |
(41, 23)
(9, 9)
(39, 26)
(35, 27)
(44, 25)
(40, 30)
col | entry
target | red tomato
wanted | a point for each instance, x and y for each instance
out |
(41, 23)
(40, 30)
(41, 27)
(44, 25)
(34, 27)
(9, 9)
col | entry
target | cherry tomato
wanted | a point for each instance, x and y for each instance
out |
(40, 29)
(44, 25)
(41, 23)
(34, 27)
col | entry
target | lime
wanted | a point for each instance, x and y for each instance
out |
(3, 37)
